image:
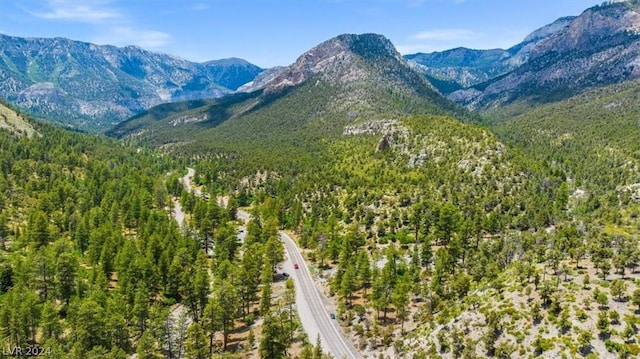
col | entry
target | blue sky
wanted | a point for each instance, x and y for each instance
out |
(276, 32)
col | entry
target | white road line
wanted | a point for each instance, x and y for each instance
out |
(329, 334)
(309, 299)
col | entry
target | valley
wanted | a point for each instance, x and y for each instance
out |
(358, 203)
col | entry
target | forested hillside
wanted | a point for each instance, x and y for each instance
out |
(434, 236)
(409, 221)
(436, 239)
(590, 139)
(341, 81)
(92, 264)
(434, 231)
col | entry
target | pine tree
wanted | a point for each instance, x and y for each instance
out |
(147, 347)
(88, 324)
(603, 322)
(265, 298)
(227, 298)
(272, 344)
(448, 222)
(196, 346)
(290, 300)
(249, 276)
(44, 271)
(38, 229)
(618, 289)
(66, 276)
(348, 284)
(211, 320)
(401, 300)
(50, 322)
(140, 308)
(317, 349)
(364, 271)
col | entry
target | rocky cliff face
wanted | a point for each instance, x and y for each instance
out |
(92, 87)
(464, 66)
(599, 47)
(332, 58)
(262, 79)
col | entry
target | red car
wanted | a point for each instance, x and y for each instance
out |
(296, 266)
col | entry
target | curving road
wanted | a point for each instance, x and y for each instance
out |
(186, 180)
(178, 213)
(310, 302)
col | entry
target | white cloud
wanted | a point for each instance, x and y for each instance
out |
(78, 11)
(122, 36)
(442, 39)
(446, 35)
(446, 39)
(107, 23)
(414, 48)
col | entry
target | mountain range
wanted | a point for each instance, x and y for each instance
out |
(344, 80)
(599, 47)
(467, 67)
(466, 203)
(93, 87)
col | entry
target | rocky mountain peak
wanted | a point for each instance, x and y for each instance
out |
(336, 58)
(369, 45)
(599, 47)
(522, 51)
(464, 67)
(599, 26)
(548, 30)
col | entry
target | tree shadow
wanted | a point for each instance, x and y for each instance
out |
(585, 351)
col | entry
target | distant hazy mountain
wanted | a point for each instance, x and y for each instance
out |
(346, 79)
(88, 86)
(468, 67)
(597, 48)
(232, 73)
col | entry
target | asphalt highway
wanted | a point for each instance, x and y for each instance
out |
(312, 305)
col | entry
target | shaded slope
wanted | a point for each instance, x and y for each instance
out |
(231, 73)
